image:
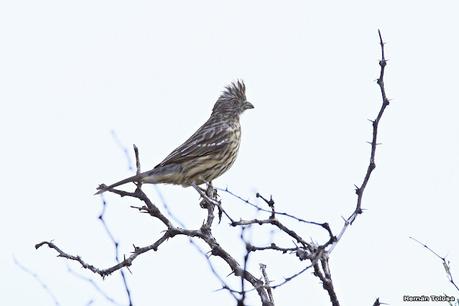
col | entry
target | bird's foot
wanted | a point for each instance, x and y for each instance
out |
(209, 196)
(212, 192)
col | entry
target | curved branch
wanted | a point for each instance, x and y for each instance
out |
(359, 190)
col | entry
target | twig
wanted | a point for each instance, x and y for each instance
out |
(276, 223)
(123, 148)
(116, 247)
(289, 278)
(105, 272)
(241, 302)
(270, 202)
(166, 207)
(225, 286)
(269, 211)
(96, 287)
(137, 159)
(446, 263)
(38, 279)
(273, 247)
(266, 279)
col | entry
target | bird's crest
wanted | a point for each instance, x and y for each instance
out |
(235, 91)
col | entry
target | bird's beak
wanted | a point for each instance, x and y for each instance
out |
(248, 105)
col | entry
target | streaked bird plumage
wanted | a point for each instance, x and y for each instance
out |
(208, 153)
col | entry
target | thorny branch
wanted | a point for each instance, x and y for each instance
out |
(316, 254)
(374, 143)
(319, 254)
(446, 263)
(204, 233)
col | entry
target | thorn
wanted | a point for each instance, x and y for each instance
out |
(357, 191)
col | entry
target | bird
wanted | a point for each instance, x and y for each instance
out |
(208, 153)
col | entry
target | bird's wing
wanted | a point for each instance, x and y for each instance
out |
(210, 138)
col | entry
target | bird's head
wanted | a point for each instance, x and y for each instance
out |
(232, 101)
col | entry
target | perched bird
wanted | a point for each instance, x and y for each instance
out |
(208, 153)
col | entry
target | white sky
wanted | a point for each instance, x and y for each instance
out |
(70, 72)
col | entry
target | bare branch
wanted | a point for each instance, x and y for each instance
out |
(272, 247)
(116, 247)
(359, 190)
(270, 211)
(38, 279)
(105, 272)
(204, 233)
(225, 286)
(446, 263)
(123, 148)
(276, 223)
(289, 278)
(266, 279)
(95, 286)
(323, 273)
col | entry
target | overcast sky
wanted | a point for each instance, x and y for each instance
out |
(73, 72)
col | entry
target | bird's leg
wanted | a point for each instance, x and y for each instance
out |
(212, 193)
(202, 189)
(206, 198)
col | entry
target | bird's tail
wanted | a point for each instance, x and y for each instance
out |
(102, 188)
